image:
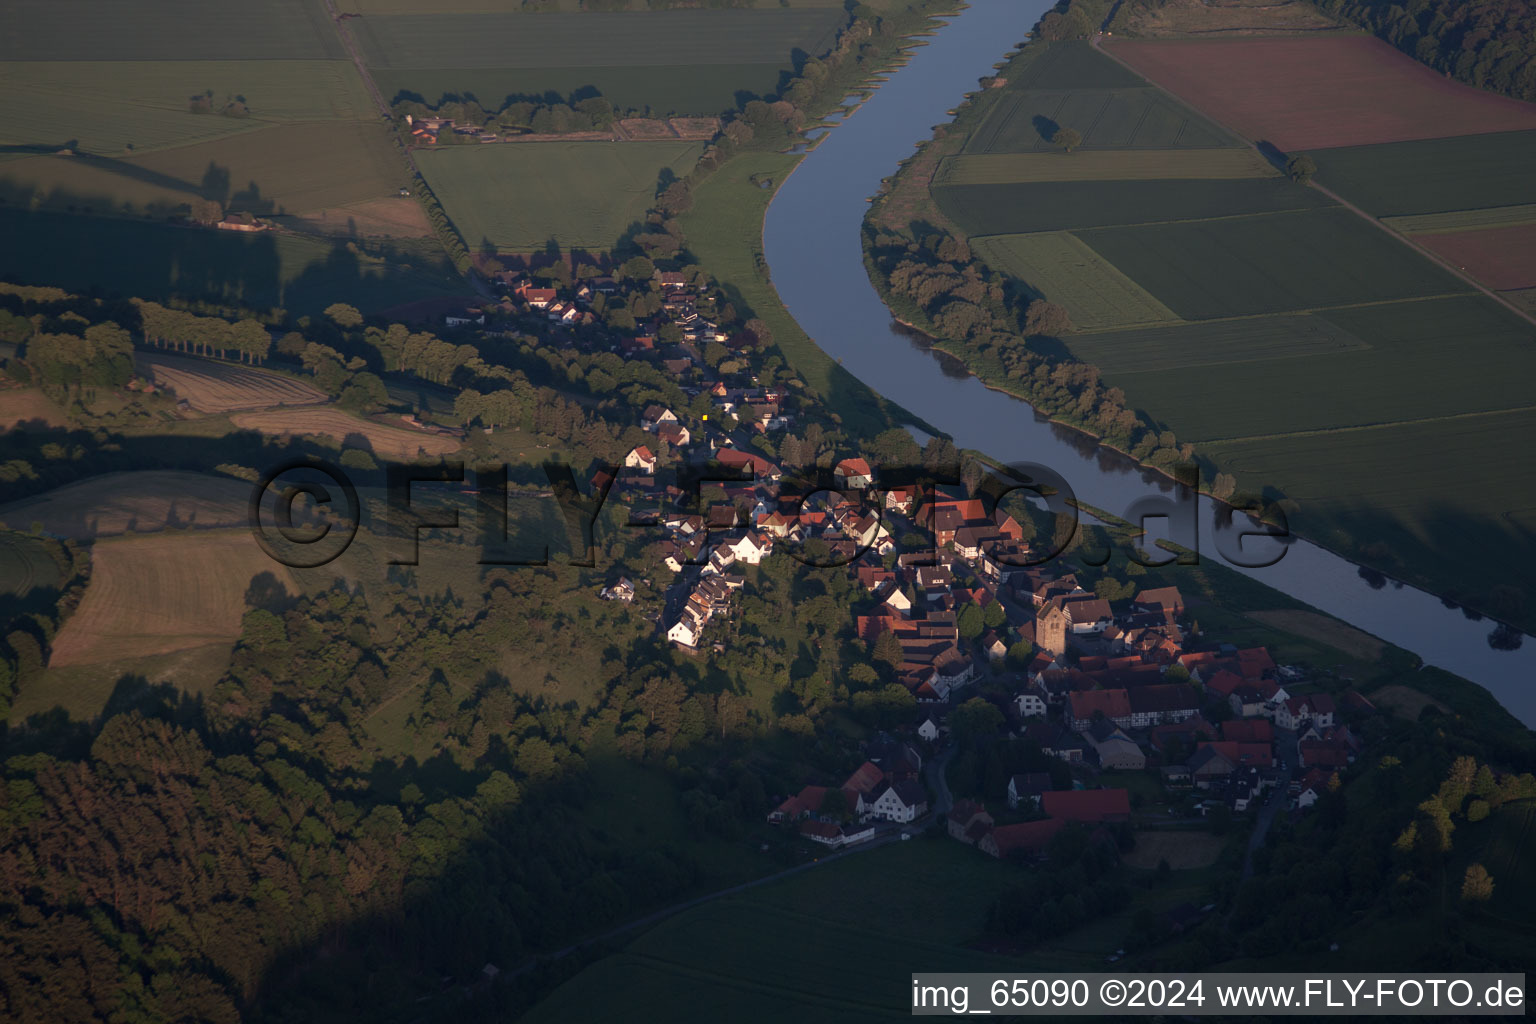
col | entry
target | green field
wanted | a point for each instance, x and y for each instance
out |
(1064, 270)
(1434, 495)
(1063, 205)
(1269, 264)
(291, 168)
(1293, 375)
(682, 89)
(155, 261)
(1464, 220)
(1402, 179)
(1502, 843)
(1213, 343)
(25, 566)
(581, 194)
(1070, 65)
(829, 944)
(625, 39)
(171, 30)
(1102, 165)
(681, 61)
(1144, 118)
(106, 107)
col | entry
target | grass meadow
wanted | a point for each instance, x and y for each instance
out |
(1102, 165)
(125, 107)
(1058, 265)
(153, 260)
(1068, 205)
(584, 195)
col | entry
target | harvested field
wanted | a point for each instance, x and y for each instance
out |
(1182, 850)
(581, 194)
(642, 128)
(1139, 118)
(1356, 90)
(1434, 175)
(1064, 205)
(1502, 258)
(1342, 637)
(135, 502)
(1064, 270)
(1269, 264)
(1102, 165)
(1218, 343)
(155, 595)
(28, 405)
(1179, 18)
(1405, 702)
(1463, 220)
(214, 387)
(390, 217)
(700, 129)
(396, 443)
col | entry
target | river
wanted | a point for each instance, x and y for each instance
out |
(826, 288)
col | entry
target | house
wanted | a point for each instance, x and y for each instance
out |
(752, 548)
(803, 804)
(1086, 705)
(464, 319)
(899, 801)
(1161, 703)
(623, 590)
(1315, 709)
(1028, 838)
(853, 474)
(928, 729)
(686, 631)
(1091, 806)
(671, 280)
(1247, 701)
(1027, 788)
(992, 646)
(1248, 730)
(1166, 601)
(1116, 751)
(762, 469)
(968, 821)
(1057, 741)
(655, 415)
(674, 434)
(641, 458)
(1029, 704)
(1313, 785)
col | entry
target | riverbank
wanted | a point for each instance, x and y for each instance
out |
(1387, 540)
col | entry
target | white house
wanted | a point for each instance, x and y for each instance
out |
(929, 730)
(655, 415)
(1029, 705)
(898, 601)
(902, 802)
(642, 459)
(752, 548)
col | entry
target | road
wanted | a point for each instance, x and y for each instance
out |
(934, 774)
(1279, 797)
(1404, 239)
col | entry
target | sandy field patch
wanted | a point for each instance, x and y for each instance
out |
(1324, 630)
(397, 443)
(155, 595)
(214, 387)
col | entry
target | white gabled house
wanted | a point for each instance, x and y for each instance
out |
(901, 802)
(1029, 704)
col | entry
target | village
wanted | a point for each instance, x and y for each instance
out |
(1126, 695)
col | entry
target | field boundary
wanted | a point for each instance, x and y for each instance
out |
(1525, 315)
(1103, 165)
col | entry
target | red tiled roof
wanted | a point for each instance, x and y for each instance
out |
(1113, 703)
(1088, 805)
(1248, 730)
(1031, 836)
